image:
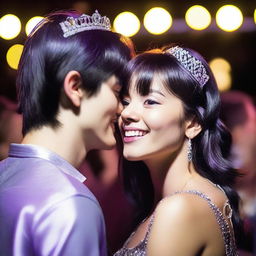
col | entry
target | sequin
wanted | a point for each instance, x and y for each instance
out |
(227, 233)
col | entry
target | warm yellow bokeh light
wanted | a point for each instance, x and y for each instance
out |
(220, 63)
(32, 23)
(13, 55)
(223, 81)
(126, 23)
(197, 17)
(10, 26)
(157, 20)
(221, 69)
(255, 15)
(229, 18)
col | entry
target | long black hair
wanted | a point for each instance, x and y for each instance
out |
(47, 58)
(210, 148)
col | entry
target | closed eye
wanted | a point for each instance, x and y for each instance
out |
(125, 102)
(117, 89)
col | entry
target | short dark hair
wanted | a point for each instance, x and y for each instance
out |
(48, 57)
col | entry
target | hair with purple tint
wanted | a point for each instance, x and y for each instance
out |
(48, 57)
(210, 149)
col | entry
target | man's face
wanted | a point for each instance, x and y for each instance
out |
(100, 114)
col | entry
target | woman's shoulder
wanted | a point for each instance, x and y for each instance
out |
(184, 213)
(191, 211)
(183, 205)
(182, 217)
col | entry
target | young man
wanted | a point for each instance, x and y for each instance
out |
(69, 77)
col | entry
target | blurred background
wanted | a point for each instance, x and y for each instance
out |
(216, 32)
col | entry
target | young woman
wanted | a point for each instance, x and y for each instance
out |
(176, 149)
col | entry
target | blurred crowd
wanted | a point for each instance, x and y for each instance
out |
(238, 112)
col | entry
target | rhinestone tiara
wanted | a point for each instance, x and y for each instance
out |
(194, 66)
(72, 26)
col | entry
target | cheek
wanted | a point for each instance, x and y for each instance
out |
(110, 103)
(167, 131)
(164, 122)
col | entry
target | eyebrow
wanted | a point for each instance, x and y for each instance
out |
(156, 91)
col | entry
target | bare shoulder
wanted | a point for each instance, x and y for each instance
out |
(180, 226)
(182, 206)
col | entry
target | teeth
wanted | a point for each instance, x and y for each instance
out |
(134, 133)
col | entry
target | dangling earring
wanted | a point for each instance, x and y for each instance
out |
(189, 150)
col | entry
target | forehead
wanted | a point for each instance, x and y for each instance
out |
(145, 85)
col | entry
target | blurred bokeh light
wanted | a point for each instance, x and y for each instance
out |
(13, 55)
(32, 23)
(10, 26)
(126, 23)
(221, 69)
(198, 17)
(157, 20)
(229, 18)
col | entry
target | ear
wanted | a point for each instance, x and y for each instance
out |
(73, 87)
(193, 128)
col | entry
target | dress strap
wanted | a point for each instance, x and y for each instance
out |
(227, 233)
(227, 210)
(149, 228)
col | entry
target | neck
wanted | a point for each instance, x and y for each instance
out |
(171, 173)
(64, 141)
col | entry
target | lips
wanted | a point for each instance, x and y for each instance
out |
(132, 134)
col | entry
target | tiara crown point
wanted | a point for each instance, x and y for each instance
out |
(72, 26)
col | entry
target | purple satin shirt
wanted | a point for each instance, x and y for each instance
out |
(45, 209)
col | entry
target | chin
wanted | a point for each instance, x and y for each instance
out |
(107, 141)
(132, 157)
(108, 147)
(109, 144)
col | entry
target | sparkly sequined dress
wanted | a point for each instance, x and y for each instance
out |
(227, 233)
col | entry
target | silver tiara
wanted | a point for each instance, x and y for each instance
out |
(190, 63)
(72, 26)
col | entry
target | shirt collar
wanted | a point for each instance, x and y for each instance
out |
(28, 150)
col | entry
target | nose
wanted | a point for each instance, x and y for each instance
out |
(130, 114)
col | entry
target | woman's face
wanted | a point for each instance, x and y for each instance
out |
(152, 126)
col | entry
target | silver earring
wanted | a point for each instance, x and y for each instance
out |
(189, 150)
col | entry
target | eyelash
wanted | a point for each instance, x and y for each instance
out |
(146, 102)
(150, 102)
(125, 102)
